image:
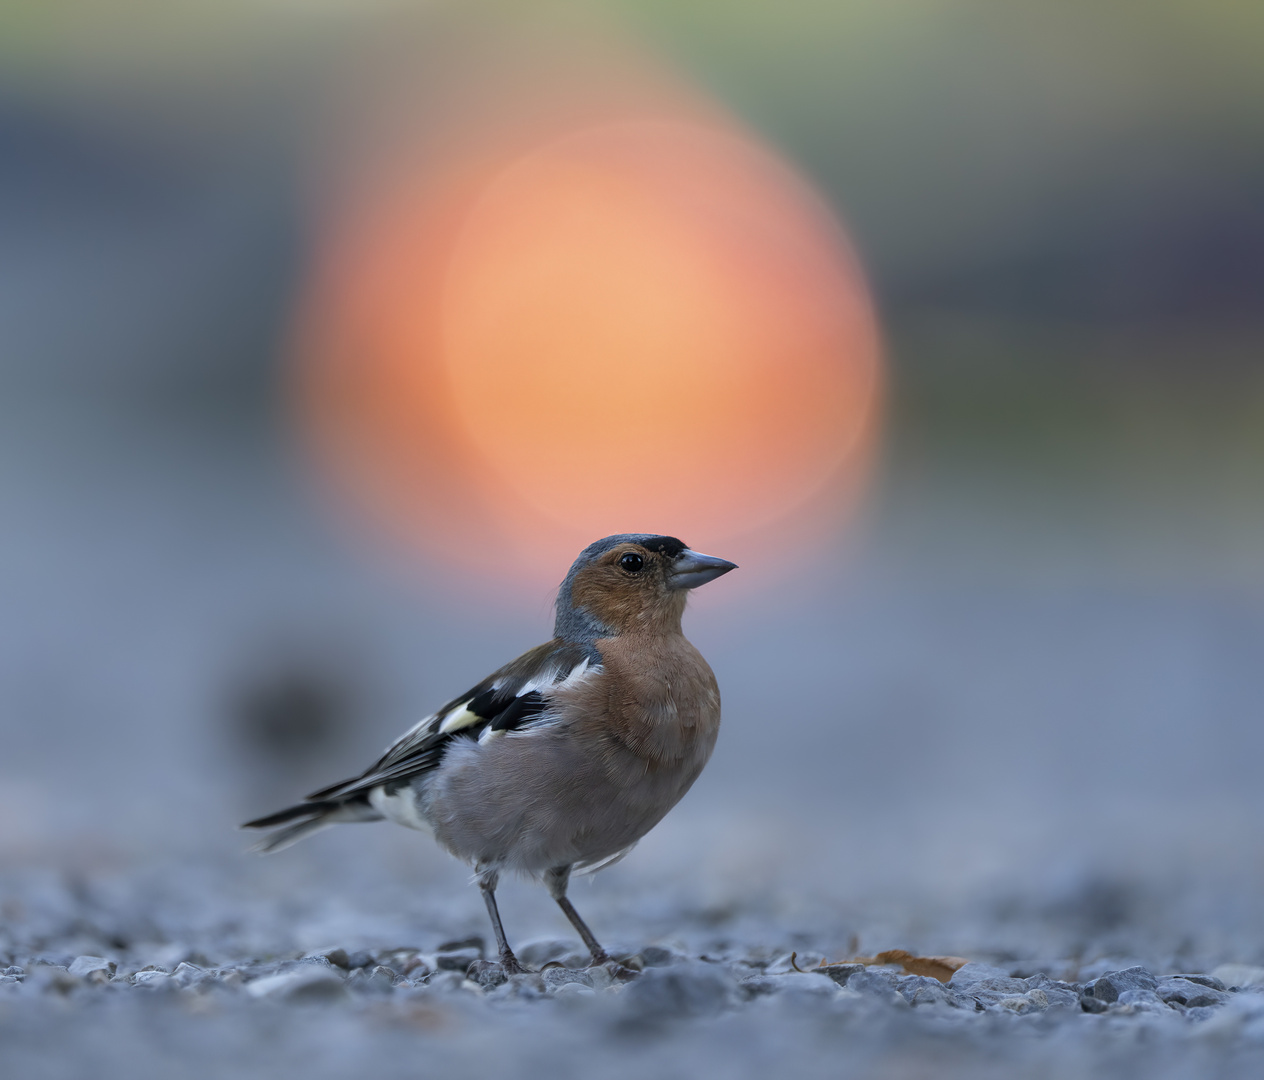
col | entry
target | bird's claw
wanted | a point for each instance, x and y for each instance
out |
(617, 971)
(511, 966)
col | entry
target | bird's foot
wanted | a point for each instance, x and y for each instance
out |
(617, 971)
(511, 965)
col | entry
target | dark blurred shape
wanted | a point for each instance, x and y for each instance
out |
(292, 716)
(1097, 904)
(290, 719)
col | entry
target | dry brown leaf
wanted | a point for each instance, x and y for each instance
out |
(937, 967)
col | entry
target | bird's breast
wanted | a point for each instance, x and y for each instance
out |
(657, 700)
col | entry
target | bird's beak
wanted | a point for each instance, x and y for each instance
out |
(690, 569)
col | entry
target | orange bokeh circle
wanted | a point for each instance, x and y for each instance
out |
(642, 323)
(637, 325)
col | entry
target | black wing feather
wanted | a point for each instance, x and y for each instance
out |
(521, 709)
(496, 701)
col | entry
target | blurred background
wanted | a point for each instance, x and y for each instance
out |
(330, 332)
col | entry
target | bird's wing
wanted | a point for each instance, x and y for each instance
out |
(507, 700)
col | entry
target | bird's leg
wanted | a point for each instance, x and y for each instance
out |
(487, 881)
(557, 880)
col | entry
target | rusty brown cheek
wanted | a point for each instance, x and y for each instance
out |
(628, 605)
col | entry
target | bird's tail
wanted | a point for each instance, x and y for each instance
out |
(308, 817)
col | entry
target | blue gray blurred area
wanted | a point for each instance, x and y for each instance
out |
(1013, 713)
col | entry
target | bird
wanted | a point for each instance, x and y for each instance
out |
(560, 761)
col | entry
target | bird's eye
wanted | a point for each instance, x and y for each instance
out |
(632, 562)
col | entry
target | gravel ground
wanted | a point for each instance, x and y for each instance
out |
(203, 966)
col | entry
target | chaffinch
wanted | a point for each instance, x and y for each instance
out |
(564, 758)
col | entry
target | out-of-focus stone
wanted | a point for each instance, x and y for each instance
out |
(923, 990)
(376, 980)
(313, 984)
(154, 979)
(1094, 970)
(527, 987)
(84, 966)
(1057, 993)
(975, 976)
(658, 956)
(875, 982)
(1032, 1001)
(810, 985)
(840, 973)
(541, 951)
(1202, 980)
(794, 963)
(1052, 968)
(559, 976)
(189, 974)
(414, 967)
(1109, 986)
(682, 990)
(336, 956)
(1142, 1001)
(485, 973)
(408, 963)
(446, 982)
(1178, 990)
(458, 959)
(472, 942)
(1239, 975)
(52, 978)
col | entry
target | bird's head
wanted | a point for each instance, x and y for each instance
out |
(631, 583)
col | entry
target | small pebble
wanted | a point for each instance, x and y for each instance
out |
(84, 966)
(310, 985)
